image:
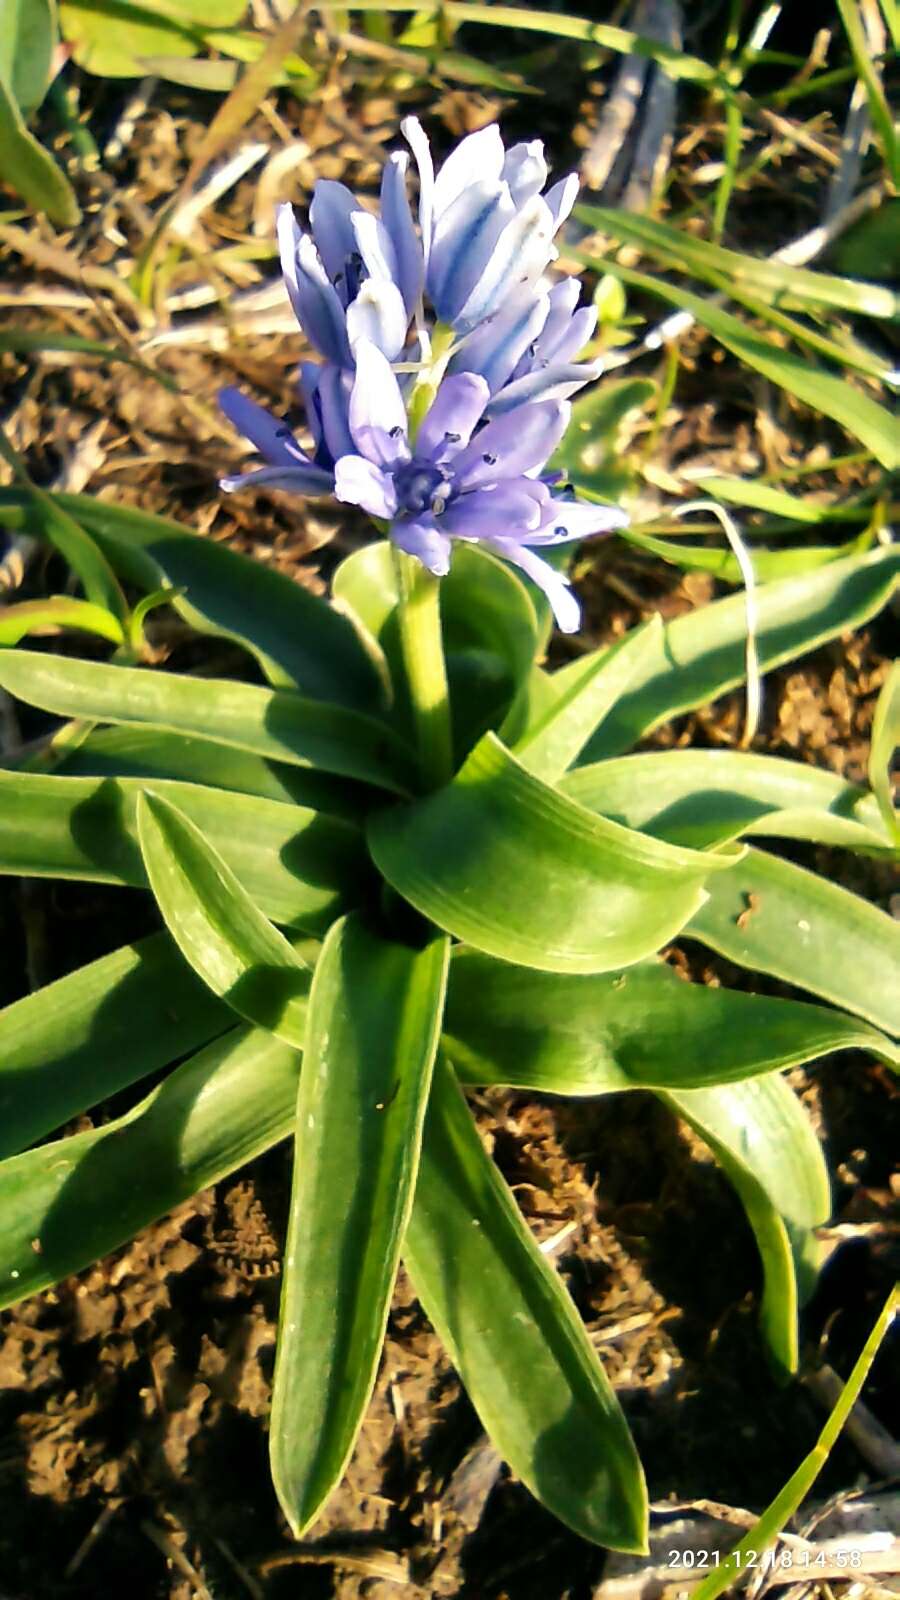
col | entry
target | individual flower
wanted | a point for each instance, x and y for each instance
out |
(326, 392)
(459, 480)
(484, 228)
(525, 351)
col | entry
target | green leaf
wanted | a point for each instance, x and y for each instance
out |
(643, 1028)
(514, 1336)
(27, 40)
(879, 108)
(702, 797)
(589, 449)
(102, 1028)
(764, 1141)
(112, 38)
(763, 497)
(30, 171)
(501, 860)
(300, 867)
(814, 386)
(237, 952)
(772, 916)
(885, 739)
(783, 284)
(703, 654)
(586, 691)
(76, 547)
(298, 638)
(273, 723)
(145, 753)
(768, 565)
(374, 1019)
(79, 1198)
(53, 615)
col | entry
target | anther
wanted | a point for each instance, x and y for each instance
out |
(453, 438)
(396, 431)
(489, 460)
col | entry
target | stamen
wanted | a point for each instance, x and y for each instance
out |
(489, 460)
(396, 431)
(453, 438)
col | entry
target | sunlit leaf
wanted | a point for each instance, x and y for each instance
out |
(28, 169)
(28, 36)
(55, 614)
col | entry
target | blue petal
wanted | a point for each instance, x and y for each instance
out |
(509, 511)
(520, 255)
(377, 414)
(330, 214)
(477, 158)
(499, 344)
(545, 383)
(397, 219)
(572, 519)
(554, 585)
(301, 480)
(379, 315)
(335, 385)
(271, 435)
(465, 236)
(423, 539)
(525, 170)
(514, 444)
(417, 139)
(316, 304)
(362, 483)
(561, 198)
(457, 407)
(558, 345)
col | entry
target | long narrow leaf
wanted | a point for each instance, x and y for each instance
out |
(514, 1336)
(273, 723)
(518, 870)
(300, 867)
(703, 654)
(772, 916)
(374, 1019)
(53, 615)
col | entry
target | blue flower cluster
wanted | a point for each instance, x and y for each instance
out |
(486, 380)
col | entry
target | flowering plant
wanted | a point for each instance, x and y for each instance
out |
(416, 860)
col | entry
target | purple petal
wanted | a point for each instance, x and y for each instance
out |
(545, 383)
(330, 218)
(476, 158)
(525, 170)
(375, 246)
(565, 520)
(516, 443)
(499, 344)
(316, 304)
(456, 408)
(519, 257)
(563, 299)
(569, 341)
(423, 539)
(465, 236)
(379, 315)
(362, 483)
(377, 414)
(563, 603)
(335, 385)
(301, 480)
(417, 139)
(271, 435)
(561, 198)
(310, 379)
(510, 511)
(397, 219)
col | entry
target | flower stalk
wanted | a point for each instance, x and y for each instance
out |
(426, 672)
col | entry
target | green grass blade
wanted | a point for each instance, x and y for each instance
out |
(236, 951)
(702, 797)
(764, 1141)
(26, 341)
(96, 1031)
(517, 870)
(768, 565)
(643, 1028)
(30, 171)
(885, 739)
(53, 615)
(300, 867)
(79, 1198)
(374, 1018)
(771, 916)
(878, 106)
(586, 691)
(299, 639)
(514, 1336)
(776, 1515)
(274, 723)
(703, 655)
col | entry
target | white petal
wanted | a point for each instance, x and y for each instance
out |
(561, 198)
(477, 157)
(377, 412)
(417, 139)
(525, 170)
(362, 483)
(379, 315)
(520, 256)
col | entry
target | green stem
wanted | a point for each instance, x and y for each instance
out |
(426, 672)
